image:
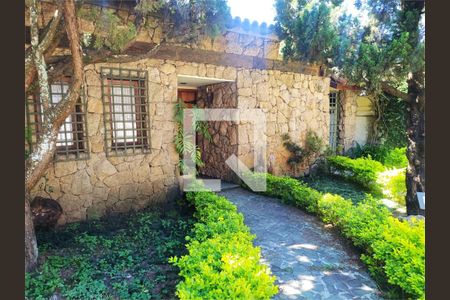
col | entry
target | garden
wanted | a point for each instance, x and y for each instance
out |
(202, 249)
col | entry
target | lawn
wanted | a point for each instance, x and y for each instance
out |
(336, 185)
(119, 257)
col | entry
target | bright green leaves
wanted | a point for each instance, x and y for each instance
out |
(363, 171)
(394, 251)
(222, 262)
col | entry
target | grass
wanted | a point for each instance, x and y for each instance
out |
(336, 185)
(119, 257)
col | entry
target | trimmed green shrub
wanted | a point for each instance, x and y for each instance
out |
(222, 262)
(396, 158)
(388, 156)
(394, 251)
(396, 185)
(361, 170)
(291, 191)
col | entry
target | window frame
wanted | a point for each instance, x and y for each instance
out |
(141, 137)
(137, 80)
(75, 148)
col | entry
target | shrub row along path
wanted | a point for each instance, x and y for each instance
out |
(309, 260)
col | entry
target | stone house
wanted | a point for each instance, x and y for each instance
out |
(116, 152)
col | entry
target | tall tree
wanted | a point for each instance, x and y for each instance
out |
(53, 116)
(179, 21)
(386, 55)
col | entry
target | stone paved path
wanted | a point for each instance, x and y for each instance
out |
(310, 262)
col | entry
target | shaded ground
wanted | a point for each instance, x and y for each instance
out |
(310, 261)
(119, 257)
(336, 185)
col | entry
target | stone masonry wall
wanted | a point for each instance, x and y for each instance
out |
(224, 134)
(99, 185)
(347, 118)
(293, 103)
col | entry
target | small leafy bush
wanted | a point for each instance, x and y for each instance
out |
(222, 262)
(396, 158)
(361, 170)
(388, 156)
(394, 251)
(396, 186)
(291, 191)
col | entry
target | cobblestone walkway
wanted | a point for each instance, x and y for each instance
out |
(310, 262)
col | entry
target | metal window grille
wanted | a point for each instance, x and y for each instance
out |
(125, 111)
(333, 120)
(71, 143)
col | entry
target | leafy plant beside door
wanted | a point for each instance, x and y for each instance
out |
(180, 144)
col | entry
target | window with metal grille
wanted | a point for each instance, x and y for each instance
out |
(71, 142)
(333, 120)
(125, 111)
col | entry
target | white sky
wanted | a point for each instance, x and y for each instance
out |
(264, 10)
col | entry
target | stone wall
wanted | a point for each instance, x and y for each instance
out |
(293, 102)
(347, 118)
(101, 184)
(224, 134)
(233, 40)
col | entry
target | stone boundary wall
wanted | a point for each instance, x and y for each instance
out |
(101, 185)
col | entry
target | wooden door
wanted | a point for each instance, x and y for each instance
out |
(189, 96)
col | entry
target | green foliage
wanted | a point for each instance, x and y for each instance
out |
(395, 185)
(390, 157)
(363, 171)
(119, 257)
(307, 30)
(396, 158)
(394, 251)
(393, 122)
(111, 32)
(182, 145)
(313, 147)
(222, 262)
(187, 20)
(337, 185)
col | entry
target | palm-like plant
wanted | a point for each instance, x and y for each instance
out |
(182, 141)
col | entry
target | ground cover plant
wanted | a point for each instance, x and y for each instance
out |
(336, 185)
(393, 250)
(360, 170)
(222, 262)
(381, 181)
(119, 257)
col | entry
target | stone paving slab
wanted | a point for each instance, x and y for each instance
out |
(309, 260)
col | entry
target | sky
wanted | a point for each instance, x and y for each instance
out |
(264, 10)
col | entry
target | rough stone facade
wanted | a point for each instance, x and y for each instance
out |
(355, 119)
(293, 103)
(293, 98)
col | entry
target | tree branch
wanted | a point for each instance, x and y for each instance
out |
(39, 61)
(51, 37)
(393, 91)
(43, 152)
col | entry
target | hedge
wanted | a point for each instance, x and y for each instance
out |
(360, 170)
(394, 251)
(222, 262)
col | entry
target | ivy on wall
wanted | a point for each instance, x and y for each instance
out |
(393, 122)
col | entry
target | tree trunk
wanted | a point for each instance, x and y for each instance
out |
(31, 249)
(43, 152)
(415, 173)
